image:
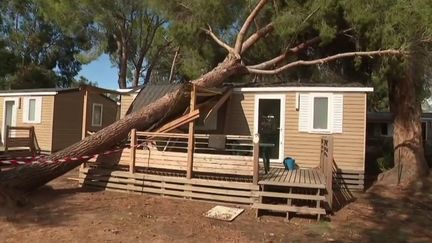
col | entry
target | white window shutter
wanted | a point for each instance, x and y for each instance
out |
(304, 113)
(38, 110)
(337, 113)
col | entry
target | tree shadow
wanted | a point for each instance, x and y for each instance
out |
(388, 214)
(47, 207)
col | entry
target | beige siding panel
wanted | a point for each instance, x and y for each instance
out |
(240, 114)
(348, 146)
(126, 101)
(68, 110)
(43, 129)
(69, 115)
(109, 111)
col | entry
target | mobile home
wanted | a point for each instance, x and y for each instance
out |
(55, 113)
(215, 149)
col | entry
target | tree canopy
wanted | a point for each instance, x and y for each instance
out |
(44, 55)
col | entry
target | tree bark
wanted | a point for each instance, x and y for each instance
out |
(409, 160)
(136, 76)
(29, 177)
(121, 64)
(123, 60)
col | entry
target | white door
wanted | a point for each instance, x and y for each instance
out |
(10, 114)
(269, 120)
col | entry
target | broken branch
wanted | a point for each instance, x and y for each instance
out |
(256, 36)
(389, 52)
(272, 62)
(209, 31)
(246, 25)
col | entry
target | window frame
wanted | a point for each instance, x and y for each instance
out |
(93, 124)
(329, 97)
(38, 110)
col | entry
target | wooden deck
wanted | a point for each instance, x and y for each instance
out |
(170, 185)
(305, 178)
(298, 191)
(162, 164)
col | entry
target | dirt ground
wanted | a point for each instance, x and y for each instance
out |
(63, 212)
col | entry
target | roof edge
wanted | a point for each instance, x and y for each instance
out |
(28, 93)
(124, 90)
(304, 89)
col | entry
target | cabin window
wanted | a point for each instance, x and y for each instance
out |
(321, 113)
(97, 113)
(32, 109)
(384, 129)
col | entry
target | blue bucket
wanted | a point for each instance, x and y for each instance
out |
(289, 163)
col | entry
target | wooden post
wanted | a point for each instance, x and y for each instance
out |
(32, 141)
(133, 143)
(6, 138)
(191, 138)
(329, 171)
(84, 119)
(84, 116)
(256, 140)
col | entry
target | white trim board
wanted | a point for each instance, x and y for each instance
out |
(304, 89)
(127, 90)
(27, 94)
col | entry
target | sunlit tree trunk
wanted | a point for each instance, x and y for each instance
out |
(409, 157)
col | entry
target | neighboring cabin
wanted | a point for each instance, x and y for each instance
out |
(380, 126)
(56, 114)
(379, 136)
(293, 118)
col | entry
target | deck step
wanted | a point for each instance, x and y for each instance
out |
(291, 184)
(292, 196)
(287, 208)
(300, 178)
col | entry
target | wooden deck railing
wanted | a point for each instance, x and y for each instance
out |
(213, 153)
(326, 166)
(21, 137)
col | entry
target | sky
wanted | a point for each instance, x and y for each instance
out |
(102, 72)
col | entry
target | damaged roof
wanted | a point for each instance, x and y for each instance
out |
(149, 94)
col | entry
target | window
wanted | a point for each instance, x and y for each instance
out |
(97, 113)
(321, 113)
(384, 129)
(32, 109)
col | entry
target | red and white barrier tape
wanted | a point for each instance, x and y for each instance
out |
(35, 159)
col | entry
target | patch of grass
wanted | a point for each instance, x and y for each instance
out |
(387, 235)
(320, 228)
